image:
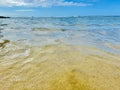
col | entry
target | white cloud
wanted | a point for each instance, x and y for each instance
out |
(12, 3)
(25, 10)
(41, 3)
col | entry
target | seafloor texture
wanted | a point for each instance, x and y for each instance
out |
(58, 67)
(65, 53)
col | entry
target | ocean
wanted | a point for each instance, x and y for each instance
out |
(60, 53)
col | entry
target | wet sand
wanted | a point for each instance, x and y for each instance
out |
(58, 67)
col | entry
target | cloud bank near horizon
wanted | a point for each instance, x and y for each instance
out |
(40, 3)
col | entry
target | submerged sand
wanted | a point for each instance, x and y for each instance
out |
(59, 67)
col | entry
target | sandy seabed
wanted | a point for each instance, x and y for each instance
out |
(59, 67)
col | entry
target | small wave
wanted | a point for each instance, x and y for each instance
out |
(47, 29)
(3, 24)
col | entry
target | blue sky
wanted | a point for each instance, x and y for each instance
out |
(53, 8)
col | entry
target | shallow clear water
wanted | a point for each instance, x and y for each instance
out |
(98, 31)
(67, 53)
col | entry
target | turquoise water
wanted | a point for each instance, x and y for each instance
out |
(97, 31)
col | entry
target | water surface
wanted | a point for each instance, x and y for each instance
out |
(62, 53)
